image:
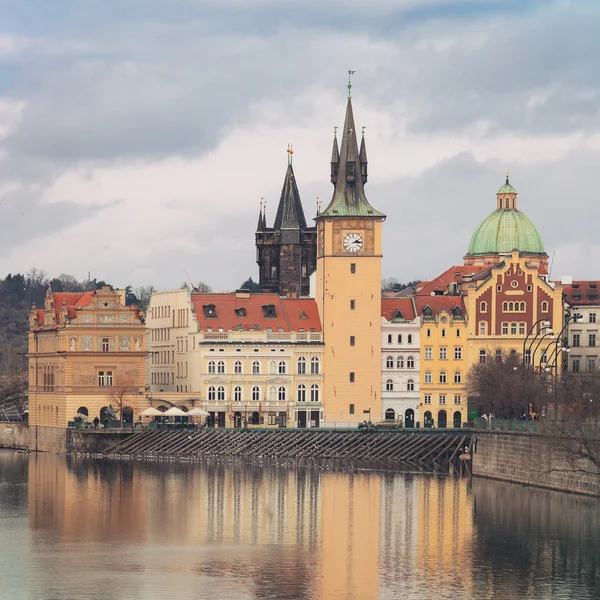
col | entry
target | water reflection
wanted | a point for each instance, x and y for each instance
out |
(99, 529)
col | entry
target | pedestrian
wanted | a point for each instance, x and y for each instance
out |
(96, 422)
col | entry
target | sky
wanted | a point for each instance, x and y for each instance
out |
(137, 137)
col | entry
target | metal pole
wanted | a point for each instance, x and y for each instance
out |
(544, 320)
(551, 335)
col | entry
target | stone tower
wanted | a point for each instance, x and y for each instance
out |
(286, 252)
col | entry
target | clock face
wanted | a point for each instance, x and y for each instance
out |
(352, 242)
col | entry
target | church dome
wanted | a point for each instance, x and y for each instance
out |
(506, 229)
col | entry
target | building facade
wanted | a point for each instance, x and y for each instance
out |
(400, 361)
(86, 353)
(247, 359)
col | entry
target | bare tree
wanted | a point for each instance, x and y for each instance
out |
(13, 393)
(121, 393)
(144, 293)
(203, 288)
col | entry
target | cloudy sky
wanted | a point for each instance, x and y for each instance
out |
(138, 136)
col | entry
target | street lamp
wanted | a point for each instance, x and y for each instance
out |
(549, 334)
(545, 325)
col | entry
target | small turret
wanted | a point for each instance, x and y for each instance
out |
(363, 158)
(335, 158)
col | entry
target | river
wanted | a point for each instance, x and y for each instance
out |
(98, 529)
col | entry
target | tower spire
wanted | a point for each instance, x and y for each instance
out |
(260, 226)
(289, 211)
(350, 73)
(335, 157)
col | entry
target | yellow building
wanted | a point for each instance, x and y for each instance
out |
(348, 286)
(443, 401)
(86, 353)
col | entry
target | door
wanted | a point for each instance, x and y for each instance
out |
(222, 420)
(457, 419)
(442, 419)
(282, 420)
(315, 418)
(302, 419)
(409, 418)
(237, 420)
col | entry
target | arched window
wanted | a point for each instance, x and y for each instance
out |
(237, 367)
(255, 394)
(281, 394)
(390, 338)
(400, 363)
(457, 377)
(544, 306)
(410, 385)
(301, 366)
(483, 307)
(389, 385)
(505, 306)
(273, 368)
(272, 394)
(428, 377)
(211, 394)
(400, 338)
(315, 365)
(255, 368)
(410, 363)
(506, 203)
(221, 367)
(221, 393)
(282, 367)
(522, 308)
(301, 396)
(390, 415)
(443, 377)
(314, 393)
(211, 366)
(237, 394)
(511, 307)
(389, 362)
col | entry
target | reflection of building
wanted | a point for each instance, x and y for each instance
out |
(240, 356)
(400, 355)
(86, 352)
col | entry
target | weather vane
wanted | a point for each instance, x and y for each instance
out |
(290, 151)
(350, 73)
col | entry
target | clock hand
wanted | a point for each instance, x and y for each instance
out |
(357, 242)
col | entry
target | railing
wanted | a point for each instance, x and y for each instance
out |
(77, 325)
(261, 337)
(507, 425)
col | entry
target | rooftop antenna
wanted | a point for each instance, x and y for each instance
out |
(190, 280)
(551, 264)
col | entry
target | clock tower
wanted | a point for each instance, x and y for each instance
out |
(348, 286)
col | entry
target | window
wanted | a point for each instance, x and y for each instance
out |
(591, 363)
(210, 311)
(504, 328)
(457, 377)
(410, 385)
(351, 409)
(389, 362)
(353, 268)
(314, 392)
(592, 317)
(575, 365)
(482, 328)
(514, 284)
(400, 363)
(483, 307)
(576, 337)
(390, 338)
(389, 386)
(458, 333)
(352, 340)
(428, 333)
(282, 367)
(427, 399)
(400, 339)
(255, 394)
(255, 368)
(314, 365)
(410, 338)
(352, 304)
(592, 339)
(427, 376)
(237, 394)
(221, 367)
(544, 306)
(237, 367)
(521, 328)
(443, 353)
(105, 378)
(511, 306)
(281, 394)
(269, 311)
(105, 345)
(498, 288)
(302, 366)
(301, 395)
(458, 353)
(272, 368)
(443, 377)
(513, 329)
(428, 353)
(442, 398)
(221, 394)
(410, 363)
(482, 356)
(211, 394)
(505, 306)
(443, 333)
(457, 399)
(351, 377)
(272, 394)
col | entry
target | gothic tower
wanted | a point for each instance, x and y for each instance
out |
(286, 252)
(349, 285)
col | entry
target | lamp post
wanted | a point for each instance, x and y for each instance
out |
(546, 325)
(245, 416)
(548, 334)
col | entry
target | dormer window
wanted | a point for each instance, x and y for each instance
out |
(398, 315)
(210, 311)
(427, 311)
(269, 311)
(456, 312)
(303, 315)
(240, 312)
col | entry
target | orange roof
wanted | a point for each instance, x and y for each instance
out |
(289, 314)
(389, 307)
(453, 274)
(437, 303)
(72, 300)
(580, 293)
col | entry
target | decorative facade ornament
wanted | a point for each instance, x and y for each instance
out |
(87, 343)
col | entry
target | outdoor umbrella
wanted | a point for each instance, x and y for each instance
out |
(175, 412)
(197, 412)
(152, 412)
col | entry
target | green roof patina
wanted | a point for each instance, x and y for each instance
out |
(505, 231)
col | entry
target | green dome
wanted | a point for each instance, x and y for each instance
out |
(507, 189)
(505, 231)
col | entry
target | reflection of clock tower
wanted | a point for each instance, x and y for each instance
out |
(349, 286)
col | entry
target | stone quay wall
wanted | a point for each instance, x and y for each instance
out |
(14, 435)
(527, 458)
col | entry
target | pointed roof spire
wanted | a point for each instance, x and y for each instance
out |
(289, 212)
(349, 197)
(260, 225)
(335, 152)
(363, 148)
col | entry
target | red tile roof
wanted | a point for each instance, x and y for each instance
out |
(289, 313)
(437, 303)
(389, 306)
(453, 274)
(72, 300)
(581, 293)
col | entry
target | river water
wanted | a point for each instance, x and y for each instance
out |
(74, 528)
